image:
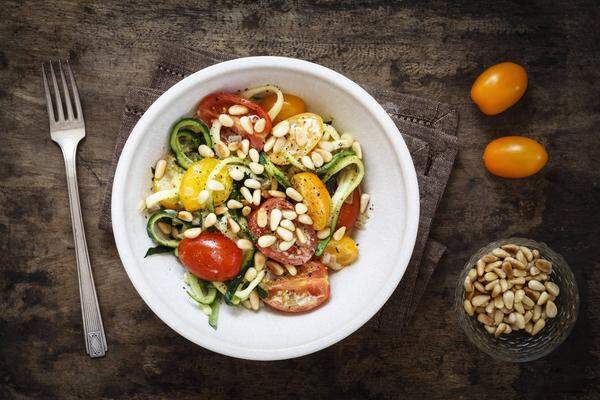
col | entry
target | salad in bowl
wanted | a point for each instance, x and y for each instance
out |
(258, 198)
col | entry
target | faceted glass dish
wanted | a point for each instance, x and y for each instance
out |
(520, 346)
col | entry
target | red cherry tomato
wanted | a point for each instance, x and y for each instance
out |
(308, 289)
(211, 256)
(299, 253)
(350, 211)
(214, 104)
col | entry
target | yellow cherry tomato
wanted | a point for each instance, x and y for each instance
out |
(499, 87)
(316, 197)
(345, 250)
(514, 157)
(194, 181)
(170, 180)
(312, 126)
(292, 105)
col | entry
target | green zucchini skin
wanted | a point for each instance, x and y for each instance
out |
(152, 228)
(273, 171)
(188, 128)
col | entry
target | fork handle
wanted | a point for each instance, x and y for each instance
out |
(95, 339)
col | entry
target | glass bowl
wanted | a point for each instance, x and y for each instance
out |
(520, 346)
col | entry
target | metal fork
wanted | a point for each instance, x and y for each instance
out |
(67, 130)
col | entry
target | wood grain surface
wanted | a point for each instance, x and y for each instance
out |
(433, 49)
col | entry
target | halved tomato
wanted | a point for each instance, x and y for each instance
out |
(350, 211)
(213, 105)
(292, 105)
(299, 253)
(313, 124)
(211, 256)
(316, 197)
(302, 292)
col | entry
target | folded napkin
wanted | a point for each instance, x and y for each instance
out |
(428, 128)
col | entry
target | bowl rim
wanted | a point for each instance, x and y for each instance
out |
(405, 164)
(462, 316)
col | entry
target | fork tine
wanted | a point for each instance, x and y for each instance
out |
(66, 92)
(59, 107)
(48, 97)
(75, 92)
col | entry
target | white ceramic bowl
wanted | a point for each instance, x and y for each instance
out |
(357, 292)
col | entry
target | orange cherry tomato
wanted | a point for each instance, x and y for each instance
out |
(514, 157)
(499, 87)
(350, 211)
(292, 105)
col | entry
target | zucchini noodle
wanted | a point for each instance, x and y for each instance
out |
(261, 89)
(215, 132)
(244, 294)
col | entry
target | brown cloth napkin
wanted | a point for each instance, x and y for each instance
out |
(428, 128)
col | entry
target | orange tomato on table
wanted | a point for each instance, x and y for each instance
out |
(499, 87)
(514, 157)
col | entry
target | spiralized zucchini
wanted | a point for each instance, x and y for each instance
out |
(274, 111)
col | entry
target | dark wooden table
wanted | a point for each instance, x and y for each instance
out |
(432, 49)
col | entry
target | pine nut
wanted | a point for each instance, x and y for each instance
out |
(364, 202)
(246, 211)
(490, 267)
(515, 262)
(209, 220)
(256, 197)
(538, 326)
(357, 149)
(279, 145)
(269, 143)
(301, 208)
(327, 156)
(266, 240)
(480, 300)
(472, 274)
(490, 329)
(214, 185)
(222, 150)
(485, 319)
(479, 287)
(234, 146)
(317, 159)
(339, 234)
(300, 135)
(226, 120)
(284, 234)
(236, 173)
(509, 298)
(159, 170)
(498, 252)
(500, 329)
(497, 290)
(521, 257)
(519, 308)
(234, 204)
(234, 226)
(305, 219)
(543, 299)
(205, 151)
(246, 194)
(185, 216)
(256, 167)
(492, 285)
(489, 258)
(276, 193)
(327, 146)
(527, 316)
(245, 244)
(498, 302)
(285, 245)
(480, 266)
(245, 144)
(238, 109)
(536, 285)
(323, 233)
(259, 261)
(289, 214)
(164, 227)
(252, 183)
(490, 276)
(281, 129)
(552, 288)
(551, 309)
(291, 269)
(254, 300)
(527, 302)
(301, 236)
(260, 125)
(192, 233)
(503, 285)
(246, 123)
(261, 217)
(293, 194)
(528, 327)
(275, 267)
(543, 265)
(307, 162)
(275, 218)
(468, 307)
(287, 224)
(253, 154)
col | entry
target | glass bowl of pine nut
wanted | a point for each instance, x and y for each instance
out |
(531, 311)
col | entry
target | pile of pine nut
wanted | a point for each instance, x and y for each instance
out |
(509, 289)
